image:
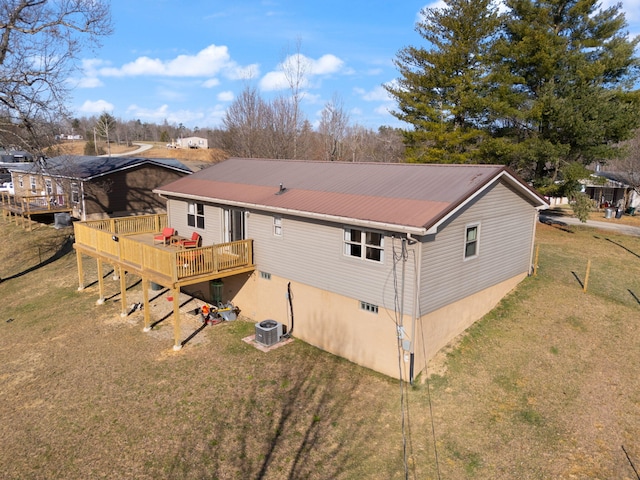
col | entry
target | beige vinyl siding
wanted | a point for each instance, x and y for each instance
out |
(505, 219)
(311, 252)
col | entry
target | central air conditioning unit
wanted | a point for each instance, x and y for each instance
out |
(269, 332)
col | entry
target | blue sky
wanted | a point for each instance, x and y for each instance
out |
(185, 61)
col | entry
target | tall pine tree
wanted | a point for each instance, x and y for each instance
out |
(443, 89)
(548, 84)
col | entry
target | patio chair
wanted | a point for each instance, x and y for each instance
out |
(165, 236)
(191, 243)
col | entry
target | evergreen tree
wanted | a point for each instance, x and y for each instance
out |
(569, 69)
(443, 90)
(547, 84)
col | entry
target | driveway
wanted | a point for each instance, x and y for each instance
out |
(556, 219)
(142, 147)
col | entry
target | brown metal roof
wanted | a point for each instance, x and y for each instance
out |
(403, 194)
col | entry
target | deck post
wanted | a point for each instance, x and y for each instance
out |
(145, 302)
(123, 292)
(80, 271)
(100, 300)
(177, 344)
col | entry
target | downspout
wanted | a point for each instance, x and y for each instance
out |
(417, 251)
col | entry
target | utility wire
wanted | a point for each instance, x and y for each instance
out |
(433, 427)
(398, 321)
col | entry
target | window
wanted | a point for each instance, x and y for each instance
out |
(33, 184)
(369, 307)
(471, 241)
(75, 193)
(195, 215)
(364, 244)
(277, 226)
(48, 186)
(20, 181)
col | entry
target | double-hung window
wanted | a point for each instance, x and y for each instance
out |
(471, 239)
(277, 226)
(195, 215)
(364, 244)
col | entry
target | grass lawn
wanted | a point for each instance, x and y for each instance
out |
(545, 386)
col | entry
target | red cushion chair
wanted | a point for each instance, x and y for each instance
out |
(193, 242)
(165, 236)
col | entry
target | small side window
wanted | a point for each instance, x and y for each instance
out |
(471, 239)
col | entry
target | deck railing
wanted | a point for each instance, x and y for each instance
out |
(110, 238)
(129, 225)
(36, 203)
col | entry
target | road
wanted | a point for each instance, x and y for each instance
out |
(551, 219)
(142, 147)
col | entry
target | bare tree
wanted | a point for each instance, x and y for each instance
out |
(334, 121)
(39, 44)
(245, 124)
(295, 68)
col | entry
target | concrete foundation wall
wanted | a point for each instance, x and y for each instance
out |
(338, 325)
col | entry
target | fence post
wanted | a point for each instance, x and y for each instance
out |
(586, 276)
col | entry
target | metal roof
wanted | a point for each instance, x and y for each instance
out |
(411, 195)
(87, 167)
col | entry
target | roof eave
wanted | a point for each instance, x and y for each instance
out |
(528, 192)
(414, 230)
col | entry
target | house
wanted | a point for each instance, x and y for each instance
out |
(92, 187)
(382, 264)
(611, 189)
(192, 142)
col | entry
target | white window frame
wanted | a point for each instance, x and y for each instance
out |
(476, 241)
(20, 181)
(360, 246)
(195, 215)
(277, 226)
(33, 184)
(48, 186)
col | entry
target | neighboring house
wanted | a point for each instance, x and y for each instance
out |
(382, 264)
(192, 142)
(610, 189)
(15, 156)
(98, 187)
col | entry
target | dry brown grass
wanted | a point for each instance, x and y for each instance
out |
(543, 387)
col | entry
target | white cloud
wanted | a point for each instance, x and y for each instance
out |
(212, 82)
(163, 113)
(208, 62)
(309, 68)
(89, 82)
(378, 94)
(98, 106)
(226, 96)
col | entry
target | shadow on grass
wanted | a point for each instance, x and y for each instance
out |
(280, 424)
(622, 247)
(128, 288)
(556, 224)
(168, 315)
(65, 248)
(578, 279)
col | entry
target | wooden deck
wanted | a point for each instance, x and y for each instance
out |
(23, 208)
(128, 244)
